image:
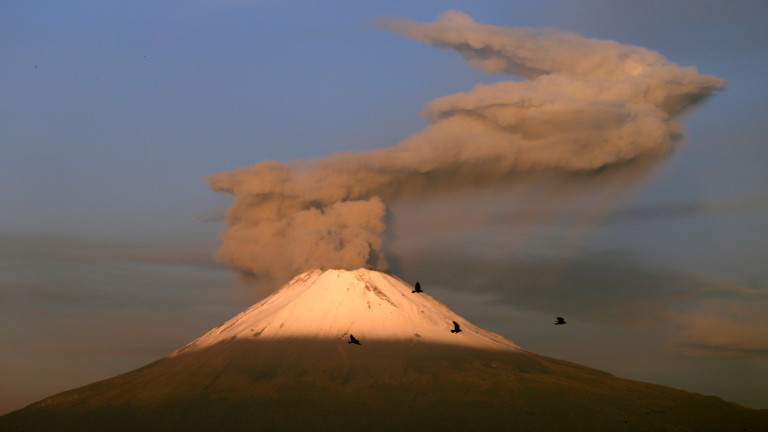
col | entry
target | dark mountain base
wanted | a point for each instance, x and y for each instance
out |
(331, 385)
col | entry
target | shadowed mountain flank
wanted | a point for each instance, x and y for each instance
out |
(302, 384)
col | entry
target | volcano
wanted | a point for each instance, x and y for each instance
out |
(285, 364)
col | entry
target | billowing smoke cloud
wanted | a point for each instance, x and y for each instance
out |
(583, 105)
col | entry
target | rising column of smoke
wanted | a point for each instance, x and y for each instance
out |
(583, 105)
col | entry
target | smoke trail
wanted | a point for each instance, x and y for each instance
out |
(584, 105)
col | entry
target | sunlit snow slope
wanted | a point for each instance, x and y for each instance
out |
(333, 304)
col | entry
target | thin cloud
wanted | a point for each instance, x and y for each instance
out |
(694, 314)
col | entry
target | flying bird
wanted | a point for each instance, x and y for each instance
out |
(353, 340)
(418, 288)
(560, 321)
(456, 327)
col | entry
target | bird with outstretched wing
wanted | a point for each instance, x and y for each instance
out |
(456, 327)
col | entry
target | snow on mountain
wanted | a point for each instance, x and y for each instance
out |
(284, 365)
(333, 304)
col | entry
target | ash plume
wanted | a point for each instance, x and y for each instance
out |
(582, 105)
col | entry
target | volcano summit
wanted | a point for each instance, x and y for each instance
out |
(328, 305)
(285, 364)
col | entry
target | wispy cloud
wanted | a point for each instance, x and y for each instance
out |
(698, 315)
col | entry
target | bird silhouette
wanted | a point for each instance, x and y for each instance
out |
(418, 288)
(456, 327)
(353, 340)
(560, 321)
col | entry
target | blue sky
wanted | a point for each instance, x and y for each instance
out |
(112, 113)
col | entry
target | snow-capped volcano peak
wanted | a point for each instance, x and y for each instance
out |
(284, 365)
(334, 304)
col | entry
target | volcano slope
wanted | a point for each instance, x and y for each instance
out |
(284, 364)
